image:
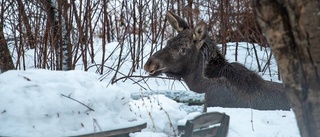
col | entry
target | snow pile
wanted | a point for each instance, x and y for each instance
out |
(161, 112)
(36, 103)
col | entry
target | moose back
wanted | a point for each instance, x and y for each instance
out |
(194, 57)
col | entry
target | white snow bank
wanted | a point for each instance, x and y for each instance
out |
(32, 104)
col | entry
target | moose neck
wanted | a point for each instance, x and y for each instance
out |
(194, 79)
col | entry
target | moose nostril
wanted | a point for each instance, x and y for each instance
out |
(148, 65)
(151, 66)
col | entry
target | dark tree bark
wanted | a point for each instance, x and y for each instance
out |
(26, 23)
(293, 29)
(5, 57)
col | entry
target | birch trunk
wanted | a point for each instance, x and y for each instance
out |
(61, 42)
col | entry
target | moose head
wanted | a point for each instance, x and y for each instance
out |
(182, 54)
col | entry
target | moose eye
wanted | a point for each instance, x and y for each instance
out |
(183, 50)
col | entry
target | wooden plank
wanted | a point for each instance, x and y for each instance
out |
(213, 124)
(211, 132)
(218, 131)
(207, 119)
(224, 127)
(124, 132)
(188, 131)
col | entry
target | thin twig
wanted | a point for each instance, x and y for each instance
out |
(95, 122)
(168, 116)
(252, 120)
(78, 102)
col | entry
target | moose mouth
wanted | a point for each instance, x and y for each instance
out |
(156, 72)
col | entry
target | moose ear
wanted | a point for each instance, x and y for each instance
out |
(176, 22)
(200, 31)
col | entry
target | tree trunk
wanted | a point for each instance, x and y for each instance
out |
(26, 23)
(55, 10)
(5, 57)
(293, 29)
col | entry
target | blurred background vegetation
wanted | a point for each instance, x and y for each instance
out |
(62, 33)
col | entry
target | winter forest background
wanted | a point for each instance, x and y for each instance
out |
(105, 36)
(61, 33)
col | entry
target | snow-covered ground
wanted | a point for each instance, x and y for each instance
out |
(40, 103)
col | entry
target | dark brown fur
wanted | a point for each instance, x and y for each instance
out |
(193, 57)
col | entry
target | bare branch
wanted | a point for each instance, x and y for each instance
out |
(77, 101)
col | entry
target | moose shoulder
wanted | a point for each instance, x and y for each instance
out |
(192, 56)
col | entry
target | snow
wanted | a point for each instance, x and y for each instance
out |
(36, 102)
(32, 104)
(254, 123)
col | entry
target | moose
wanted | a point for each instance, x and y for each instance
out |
(193, 56)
